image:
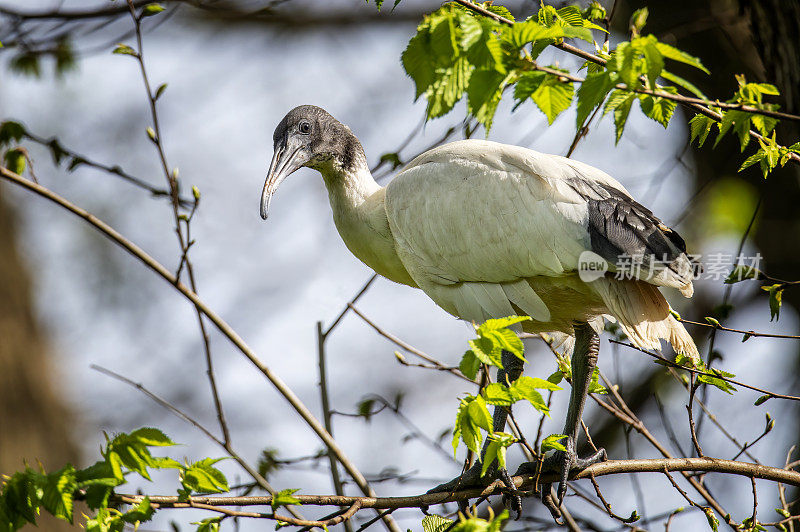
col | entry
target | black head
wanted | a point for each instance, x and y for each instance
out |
(309, 136)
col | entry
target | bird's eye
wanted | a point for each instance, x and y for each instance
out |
(304, 128)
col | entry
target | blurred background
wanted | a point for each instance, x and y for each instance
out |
(69, 298)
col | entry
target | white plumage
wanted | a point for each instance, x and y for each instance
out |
(489, 230)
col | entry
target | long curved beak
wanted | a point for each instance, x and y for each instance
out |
(284, 162)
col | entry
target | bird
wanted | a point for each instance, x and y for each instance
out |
(489, 230)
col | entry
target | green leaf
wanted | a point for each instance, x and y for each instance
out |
(479, 414)
(525, 387)
(639, 19)
(435, 523)
(483, 94)
(679, 81)
(501, 323)
(506, 340)
(470, 364)
(498, 394)
(592, 93)
(761, 400)
(58, 492)
(714, 380)
(775, 299)
(444, 40)
(15, 160)
(552, 442)
(700, 127)
(418, 63)
(160, 90)
(151, 437)
(464, 429)
(124, 49)
(653, 59)
(140, 513)
(210, 524)
(552, 96)
(484, 350)
(448, 88)
(659, 109)
(742, 272)
(202, 477)
(152, 9)
(284, 498)
(620, 102)
(11, 131)
(535, 383)
(670, 52)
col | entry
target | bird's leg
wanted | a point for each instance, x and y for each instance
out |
(584, 361)
(512, 369)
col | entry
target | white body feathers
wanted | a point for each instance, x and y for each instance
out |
(489, 230)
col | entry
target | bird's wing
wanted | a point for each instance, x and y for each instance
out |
(471, 219)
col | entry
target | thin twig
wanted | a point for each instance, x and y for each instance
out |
(672, 364)
(326, 412)
(410, 348)
(218, 322)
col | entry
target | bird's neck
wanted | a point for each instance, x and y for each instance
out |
(348, 187)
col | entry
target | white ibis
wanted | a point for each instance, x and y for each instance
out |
(489, 230)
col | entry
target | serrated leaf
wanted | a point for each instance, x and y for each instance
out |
(670, 52)
(479, 414)
(470, 364)
(498, 394)
(417, 62)
(535, 383)
(284, 498)
(553, 442)
(210, 524)
(679, 81)
(620, 103)
(525, 388)
(700, 127)
(654, 61)
(58, 492)
(592, 93)
(506, 340)
(435, 523)
(659, 109)
(553, 96)
(203, 477)
(448, 87)
(742, 272)
(151, 437)
(483, 94)
(483, 349)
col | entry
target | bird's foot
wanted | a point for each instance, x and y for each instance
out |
(563, 463)
(472, 479)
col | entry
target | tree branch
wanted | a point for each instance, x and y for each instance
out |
(218, 322)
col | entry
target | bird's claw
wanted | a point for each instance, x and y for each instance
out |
(563, 463)
(472, 479)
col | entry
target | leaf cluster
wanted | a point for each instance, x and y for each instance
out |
(26, 493)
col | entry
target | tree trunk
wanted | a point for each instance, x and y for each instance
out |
(34, 421)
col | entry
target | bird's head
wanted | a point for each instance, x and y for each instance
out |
(309, 136)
